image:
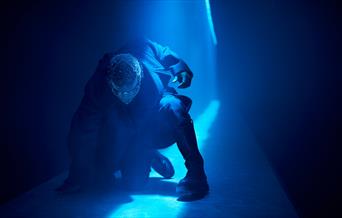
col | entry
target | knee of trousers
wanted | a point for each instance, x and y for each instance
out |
(173, 112)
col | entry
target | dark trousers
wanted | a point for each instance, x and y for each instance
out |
(127, 139)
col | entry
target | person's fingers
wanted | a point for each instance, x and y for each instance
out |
(185, 82)
(183, 79)
(180, 78)
(175, 79)
(181, 82)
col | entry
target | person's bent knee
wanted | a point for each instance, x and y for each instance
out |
(173, 111)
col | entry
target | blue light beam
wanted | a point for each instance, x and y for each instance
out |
(210, 21)
(147, 205)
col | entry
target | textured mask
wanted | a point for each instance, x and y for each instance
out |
(124, 77)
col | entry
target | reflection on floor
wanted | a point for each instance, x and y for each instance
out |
(242, 183)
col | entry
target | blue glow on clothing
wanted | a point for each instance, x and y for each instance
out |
(151, 205)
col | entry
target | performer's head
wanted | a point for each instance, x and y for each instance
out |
(124, 77)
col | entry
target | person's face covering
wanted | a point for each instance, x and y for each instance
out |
(124, 77)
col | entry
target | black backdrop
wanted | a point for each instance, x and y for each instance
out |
(282, 68)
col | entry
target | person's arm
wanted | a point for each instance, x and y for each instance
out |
(173, 63)
(84, 129)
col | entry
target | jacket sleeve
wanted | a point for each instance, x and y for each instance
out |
(169, 59)
(83, 134)
(83, 140)
(84, 130)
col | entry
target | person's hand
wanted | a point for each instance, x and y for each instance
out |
(184, 80)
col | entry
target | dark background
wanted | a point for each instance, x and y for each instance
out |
(286, 82)
(278, 62)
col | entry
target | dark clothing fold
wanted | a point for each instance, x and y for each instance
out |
(107, 135)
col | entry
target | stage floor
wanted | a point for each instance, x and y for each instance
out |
(241, 180)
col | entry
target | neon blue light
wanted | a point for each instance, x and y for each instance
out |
(161, 205)
(205, 120)
(210, 21)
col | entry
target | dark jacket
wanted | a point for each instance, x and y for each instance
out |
(159, 64)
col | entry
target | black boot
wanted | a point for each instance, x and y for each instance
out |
(194, 185)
